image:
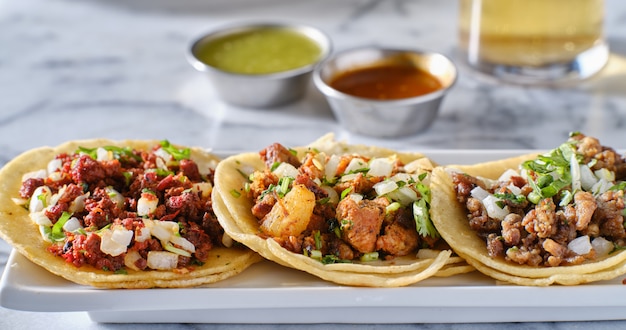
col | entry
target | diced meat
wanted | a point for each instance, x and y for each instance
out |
(463, 185)
(556, 250)
(277, 153)
(609, 214)
(70, 193)
(29, 186)
(525, 255)
(190, 169)
(585, 205)
(201, 241)
(341, 249)
(398, 240)
(87, 170)
(361, 184)
(186, 205)
(543, 220)
(263, 206)
(512, 229)
(495, 247)
(361, 223)
(310, 169)
(478, 218)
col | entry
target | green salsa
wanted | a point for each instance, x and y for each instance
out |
(261, 51)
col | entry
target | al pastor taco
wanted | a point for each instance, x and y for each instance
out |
(350, 214)
(118, 214)
(538, 219)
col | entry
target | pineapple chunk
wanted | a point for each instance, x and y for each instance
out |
(290, 216)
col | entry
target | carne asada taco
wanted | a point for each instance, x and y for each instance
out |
(118, 214)
(349, 214)
(537, 219)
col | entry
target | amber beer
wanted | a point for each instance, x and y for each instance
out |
(532, 35)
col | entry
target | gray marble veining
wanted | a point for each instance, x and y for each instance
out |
(116, 69)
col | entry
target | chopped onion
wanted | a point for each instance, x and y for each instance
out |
(348, 177)
(333, 196)
(142, 234)
(78, 204)
(601, 186)
(115, 196)
(130, 258)
(54, 165)
(163, 154)
(161, 164)
(72, 224)
(55, 176)
(285, 170)
(493, 210)
(183, 243)
(356, 197)
(162, 260)
(110, 246)
(405, 177)
(404, 195)
(479, 193)
(385, 187)
(45, 231)
(122, 235)
(55, 198)
(160, 232)
(587, 178)
(381, 167)
(515, 190)
(36, 204)
(605, 174)
(355, 165)
(330, 170)
(580, 245)
(103, 154)
(40, 218)
(602, 246)
(204, 188)
(147, 204)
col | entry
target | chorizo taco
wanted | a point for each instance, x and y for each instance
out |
(350, 214)
(538, 219)
(118, 214)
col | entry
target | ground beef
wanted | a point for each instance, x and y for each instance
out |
(109, 191)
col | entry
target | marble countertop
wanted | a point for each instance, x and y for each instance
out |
(117, 69)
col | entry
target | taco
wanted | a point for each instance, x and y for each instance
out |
(118, 214)
(350, 214)
(538, 219)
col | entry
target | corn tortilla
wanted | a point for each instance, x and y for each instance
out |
(18, 230)
(234, 213)
(450, 219)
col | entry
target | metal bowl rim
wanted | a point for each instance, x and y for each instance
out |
(331, 92)
(322, 39)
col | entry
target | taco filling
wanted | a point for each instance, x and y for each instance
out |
(566, 207)
(342, 208)
(118, 209)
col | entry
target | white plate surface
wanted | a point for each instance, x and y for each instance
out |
(269, 293)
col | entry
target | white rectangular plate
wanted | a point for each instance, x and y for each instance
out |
(269, 293)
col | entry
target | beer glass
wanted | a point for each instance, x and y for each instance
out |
(533, 41)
